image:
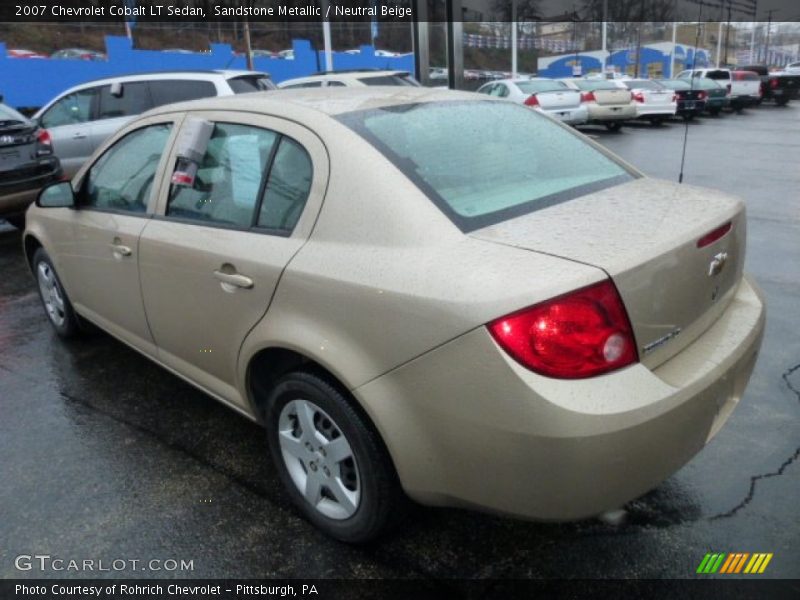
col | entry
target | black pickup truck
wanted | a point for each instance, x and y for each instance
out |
(779, 87)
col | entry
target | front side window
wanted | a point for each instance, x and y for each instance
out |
(72, 109)
(122, 178)
(484, 162)
(132, 99)
(228, 181)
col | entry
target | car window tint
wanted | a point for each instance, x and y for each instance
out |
(122, 178)
(135, 99)
(718, 75)
(336, 84)
(394, 80)
(287, 187)
(526, 160)
(228, 178)
(167, 91)
(250, 83)
(71, 109)
(307, 84)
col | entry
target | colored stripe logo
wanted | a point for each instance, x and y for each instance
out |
(734, 562)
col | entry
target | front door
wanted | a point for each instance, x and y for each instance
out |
(114, 207)
(210, 263)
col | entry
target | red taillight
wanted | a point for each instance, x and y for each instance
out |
(637, 96)
(674, 97)
(44, 143)
(531, 101)
(713, 236)
(701, 96)
(773, 83)
(588, 97)
(581, 334)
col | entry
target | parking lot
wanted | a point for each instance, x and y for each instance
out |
(106, 455)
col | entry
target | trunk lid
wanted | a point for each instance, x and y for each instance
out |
(606, 97)
(657, 97)
(645, 235)
(559, 99)
(17, 145)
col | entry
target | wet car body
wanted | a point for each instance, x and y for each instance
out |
(691, 100)
(423, 292)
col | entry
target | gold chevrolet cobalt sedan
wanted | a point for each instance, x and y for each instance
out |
(419, 293)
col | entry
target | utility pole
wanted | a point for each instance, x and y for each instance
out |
(769, 28)
(727, 32)
(605, 36)
(247, 46)
(639, 38)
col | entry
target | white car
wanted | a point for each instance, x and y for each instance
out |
(744, 89)
(351, 78)
(793, 67)
(553, 98)
(84, 116)
(654, 102)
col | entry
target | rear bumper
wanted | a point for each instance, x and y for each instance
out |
(744, 100)
(17, 194)
(467, 426)
(655, 111)
(605, 114)
(570, 116)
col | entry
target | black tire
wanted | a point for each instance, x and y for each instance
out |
(714, 112)
(614, 126)
(782, 101)
(65, 322)
(17, 221)
(657, 122)
(382, 501)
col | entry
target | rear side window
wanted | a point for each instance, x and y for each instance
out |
(250, 83)
(228, 181)
(389, 80)
(718, 75)
(307, 84)
(287, 187)
(482, 162)
(167, 91)
(133, 100)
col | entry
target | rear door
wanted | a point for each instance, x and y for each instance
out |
(210, 262)
(69, 122)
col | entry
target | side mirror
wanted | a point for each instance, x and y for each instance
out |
(116, 89)
(56, 195)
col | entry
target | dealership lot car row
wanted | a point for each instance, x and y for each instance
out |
(355, 311)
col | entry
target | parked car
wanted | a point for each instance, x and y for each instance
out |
(415, 291)
(793, 67)
(351, 78)
(22, 53)
(744, 90)
(78, 53)
(608, 103)
(81, 118)
(654, 102)
(691, 99)
(780, 87)
(717, 96)
(554, 98)
(26, 164)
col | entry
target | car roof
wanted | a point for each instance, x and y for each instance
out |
(154, 75)
(320, 101)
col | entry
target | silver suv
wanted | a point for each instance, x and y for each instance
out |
(84, 116)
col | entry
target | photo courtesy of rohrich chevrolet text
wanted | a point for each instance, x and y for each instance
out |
(399, 299)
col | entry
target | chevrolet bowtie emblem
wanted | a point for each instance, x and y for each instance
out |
(715, 266)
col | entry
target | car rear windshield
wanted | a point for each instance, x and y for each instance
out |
(534, 87)
(9, 115)
(643, 84)
(675, 84)
(483, 162)
(398, 79)
(591, 85)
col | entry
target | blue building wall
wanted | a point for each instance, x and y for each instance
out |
(623, 60)
(27, 82)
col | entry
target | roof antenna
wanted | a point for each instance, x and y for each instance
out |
(691, 88)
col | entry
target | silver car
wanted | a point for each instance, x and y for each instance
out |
(553, 98)
(84, 116)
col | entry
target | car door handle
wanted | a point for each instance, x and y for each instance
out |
(119, 249)
(79, 136)
(234, 279)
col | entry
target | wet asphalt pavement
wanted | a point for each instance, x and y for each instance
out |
(105, 455)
